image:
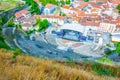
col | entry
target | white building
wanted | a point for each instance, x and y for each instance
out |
(108, 26)
(57, 19)
(49, 9)
(27, 26)
(21, 16)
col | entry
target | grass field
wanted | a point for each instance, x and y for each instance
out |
(31, 68)
(8, 4)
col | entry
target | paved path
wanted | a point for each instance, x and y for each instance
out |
(9, 36)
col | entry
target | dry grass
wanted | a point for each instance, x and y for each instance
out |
(8, 4)
(30, 68)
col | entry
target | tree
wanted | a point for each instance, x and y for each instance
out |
(118, 8)
(3, 20)
(34, 8)
(16, 53)
(10, 23)
(118, 48)
(86, 0)
(67, 1)
(44, 2)
(43, 24)
(62, 2)
(28, 2)
(38, 20)
(63, 14)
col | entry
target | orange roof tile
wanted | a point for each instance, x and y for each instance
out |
(90, 23)
(74, 9)
(106, 6)
(114, 1)
(66, 7)
(94, 10)
(82, 5)
(21, 13)
(80, 13)
(118, 26)
(49, 6)
(51, 16)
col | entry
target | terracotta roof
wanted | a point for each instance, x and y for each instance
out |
(106, 6)
(21, 13)
(74, 9)
(90, 23)
(81, 13)
(31, 19)
(24, 12)
(95, 5)
(103, 1)
(73, 15)
(94, 10)
(90, 15)
(18, 15)
(114, 1)
(49, 6)
(82, 5)
(118, 19)
(109, 21)
(66, 7)
(26, 25)
(51, 16)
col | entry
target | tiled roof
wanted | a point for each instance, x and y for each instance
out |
(90, 23)
(109, 21)
(106, 6)
(21, 13)
(95, 5)
(49, 6)
(82, 5)
(51, 16)
(66, 7)
(81, 13)
(114, 1)
(26, 25)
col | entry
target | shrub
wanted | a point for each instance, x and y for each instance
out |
(69, 60)
(4, 45)
(101, 70)
(16, 53)
(86, 0)
(104, 59)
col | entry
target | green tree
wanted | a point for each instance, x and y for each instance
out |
(43, 24)
(34, 8)
(44, 2)
(86, 0)
(28, 2)
(38, 20)
(3, 20)
(16, 53)
(118, 48)
(62, 2)
(118, 8)
(67, 1)
(63, 14)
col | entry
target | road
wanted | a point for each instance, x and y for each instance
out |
(8, 35)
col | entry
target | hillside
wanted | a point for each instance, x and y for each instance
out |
(30, 68)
